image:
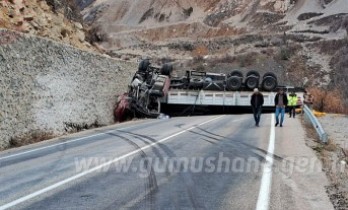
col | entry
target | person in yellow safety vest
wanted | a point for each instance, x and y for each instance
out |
(292, 103)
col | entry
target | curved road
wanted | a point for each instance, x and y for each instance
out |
(207, 162)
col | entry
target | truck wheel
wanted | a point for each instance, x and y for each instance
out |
(166, 69)
(234, 83)
(269, 74)
(236, 73)
(196, 83)
(143, 65)
(253, 72)
(269, 83)
(252, 82)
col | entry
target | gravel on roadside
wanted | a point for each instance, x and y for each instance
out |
(334, 156)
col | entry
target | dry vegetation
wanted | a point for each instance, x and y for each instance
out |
(69, 8)
(339, 62)
(30, 138)
(200, 50)
(331, 101)
(334, 98)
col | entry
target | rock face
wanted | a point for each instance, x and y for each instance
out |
(47, 88)
(56, 21)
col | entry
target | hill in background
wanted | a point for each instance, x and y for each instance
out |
(303, 41)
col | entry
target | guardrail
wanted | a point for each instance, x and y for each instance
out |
(316, 124)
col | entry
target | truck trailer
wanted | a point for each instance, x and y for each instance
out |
(153, 91)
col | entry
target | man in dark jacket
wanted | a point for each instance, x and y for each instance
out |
(280, 101)
(256, 104)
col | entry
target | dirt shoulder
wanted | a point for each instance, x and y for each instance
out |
(333, 155)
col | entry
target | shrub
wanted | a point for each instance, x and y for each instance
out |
(188, 11)
(330, 101)
(95, 35)
(200, 51)
(69, 8)
(339, 79)
(30, 138)
(308, 15)
(284, 53)
(146, 15)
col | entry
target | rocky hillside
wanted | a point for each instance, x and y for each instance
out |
(303, 41)
(58, 20)
(48, 89)
(300, 39)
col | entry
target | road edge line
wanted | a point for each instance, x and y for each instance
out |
(65, 142)
(266, 181)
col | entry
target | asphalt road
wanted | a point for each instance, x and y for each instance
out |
(207, 162)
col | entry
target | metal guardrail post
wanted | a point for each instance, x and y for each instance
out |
(316, 124)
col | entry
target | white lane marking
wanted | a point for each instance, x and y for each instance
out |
(77, 176)
(266, 181)
(67, 142)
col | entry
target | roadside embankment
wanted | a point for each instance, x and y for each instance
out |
(48, 89)
(334, 156)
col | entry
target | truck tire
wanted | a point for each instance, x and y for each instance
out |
(166, 69)
(269, 83)
(234, 83)
(143, 65)
(253, 72)
(252, 82)
(196, 83)
(269, 74)
(236, 73)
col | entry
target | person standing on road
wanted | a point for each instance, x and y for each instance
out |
(280, 101)
(256, 104)
(292, 103)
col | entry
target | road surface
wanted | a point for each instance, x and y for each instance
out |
(205, 162)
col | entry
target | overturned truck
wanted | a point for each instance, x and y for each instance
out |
(149, 84)
(152, 87)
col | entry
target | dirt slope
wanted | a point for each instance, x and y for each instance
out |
(37, 17)
(288, 36)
